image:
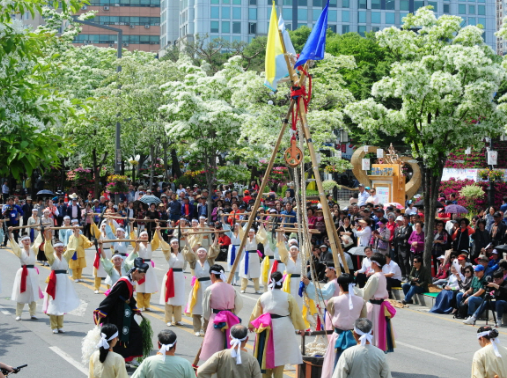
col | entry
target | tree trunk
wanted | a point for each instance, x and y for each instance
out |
(122, 170)
(175, 165)
(133, 172)
(142, 159)
(166, 166)
(431, 185)
(210, 179)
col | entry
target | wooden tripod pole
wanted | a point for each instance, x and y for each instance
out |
(257, 203)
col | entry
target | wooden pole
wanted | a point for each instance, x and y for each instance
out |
(120, 240)
(264, 182)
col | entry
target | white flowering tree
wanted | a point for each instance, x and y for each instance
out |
(445, 77)
(201, 114)
(30, 110)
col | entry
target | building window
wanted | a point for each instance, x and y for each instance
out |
(481, 21)
(236, 27)
(418, 4)
(215, 12)
(471, 9)
(252, 28)
(226, 1)
(361, 30)
(345, 16)
(332, 3)
(375, 4)
(375, 17)
(252, 14)
(434, 4)
(333, 28)
(302, 3)
(236, 13)
(403, 15)
(345, 3)
(362, 4)
(236, 2)
(404, 5)
(462, 9)
(390, 4)
(472, 21)
(390, 18)
(317, 3)
(236, 38)
(316, 13)
(447, 8)
(214, 2)
(287, 14)
(345, 29)
(331, 16)
(226, 27)
(214, 27)
(481, 10)
(361, 17)
(288, 26)
(302, 15)
(287, 2)
(226, 13)
(252, 2)
(375, 28)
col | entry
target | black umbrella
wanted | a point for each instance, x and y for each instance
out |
(502, 248)
(148, 199)
(420, 203)
(45, 192)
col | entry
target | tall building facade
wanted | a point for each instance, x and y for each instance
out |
(138, 19)
(243, 20)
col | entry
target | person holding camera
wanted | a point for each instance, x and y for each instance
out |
(495, 297)
(475, 295)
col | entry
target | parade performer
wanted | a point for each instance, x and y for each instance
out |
(26, 283)
(205, 239)
(220, 304)
(115, 268)
(200, 263)
(342, 310)
(491, 359)
(380, 311)
(275, 318)
(172, 291)
(250, 265)
(149, 285)
(119, 248)
(119, 307)
(233, 247)
(272, 261)
(64, 235)
(292, 263)
(104, 363)
(77, 244)
(105, 249)
(45, 221)
(60, 297)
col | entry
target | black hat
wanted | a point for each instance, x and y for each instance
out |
(140, 265)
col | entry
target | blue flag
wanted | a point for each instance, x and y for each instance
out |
(316, 43)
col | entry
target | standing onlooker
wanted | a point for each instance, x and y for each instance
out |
(417, 281)
(74, 210)
(461, 237)
(362, 196)
(489, 217)
(88, 219)
(439, 242)
(5, 191)
(416, 240)
(27, 211)
(363, 360)
(481, 239)
(62, 211)
(498, 229)
(400, 243)
(12, 213)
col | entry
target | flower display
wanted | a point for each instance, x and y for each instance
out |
(116, 184)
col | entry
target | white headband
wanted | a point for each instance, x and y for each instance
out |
(364, 336)
(202, 217)
(117, 255)
(74, 221)
(103, 343)
(120, 229)
(164, 348)
(25, 237)
(173, 240)
(375, 262)
(236, 348)
(201, 249)
(494, 341)
(351, 294)
(272, 284)
(222, 275)
(58, 245)
(66, 217)
(144, 233)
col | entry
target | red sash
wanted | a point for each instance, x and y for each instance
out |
(24, 275)
(274, 268)
(129, 285)
(169, 285)
(51, 289)
(96, 262)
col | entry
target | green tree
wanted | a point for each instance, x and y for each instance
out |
(446, 81)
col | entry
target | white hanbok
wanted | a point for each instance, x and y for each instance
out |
(112, 274)
(253, 269)
(293, 271)
(175, 262)
(150, 285)
(66, 298)
(116, 247)
(32, 292)
(235, 243)
(286, 345)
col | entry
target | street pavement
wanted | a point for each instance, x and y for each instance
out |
(428, 345)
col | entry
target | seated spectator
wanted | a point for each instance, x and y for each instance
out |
(366, 271)
(499, 294)
(441, 276)
(446, 299)
(474, 296)
(488, 270)
(392, 272)
(416, 281)
(464, 282)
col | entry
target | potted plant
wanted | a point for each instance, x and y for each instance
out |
(116, 184)
(496, 175)
(483, 174)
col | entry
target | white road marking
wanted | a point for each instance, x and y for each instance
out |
(426, 351)
(70, 360)
(5, 312)
(80, 311)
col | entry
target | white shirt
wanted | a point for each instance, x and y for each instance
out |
(364, 236)
(365, 266)
(373, 199)
(392, 267)
(410, 211)
(362, 197)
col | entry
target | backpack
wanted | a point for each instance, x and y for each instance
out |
(462, 312)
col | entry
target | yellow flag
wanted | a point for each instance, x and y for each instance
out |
(276, 67)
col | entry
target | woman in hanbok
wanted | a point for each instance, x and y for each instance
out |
(272, 261)
(380, 311)
(250, 264)
(119, 248)
(104, 363)
(200, 263)
(292, 262)
(233, 247)
(172, 291)
(446, 299)
(60, 296)
(46, 221)
(275, 318)
(25, 289)
(343, 310)
(78, 244)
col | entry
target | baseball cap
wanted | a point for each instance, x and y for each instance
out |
(482, 258)
(478, 268)
(400, 218)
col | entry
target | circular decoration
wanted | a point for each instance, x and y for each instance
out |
(125, 330)
(293, 155)
(128, 313)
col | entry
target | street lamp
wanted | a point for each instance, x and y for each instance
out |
(118, 125)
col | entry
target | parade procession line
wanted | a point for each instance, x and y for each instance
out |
(87, 284)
